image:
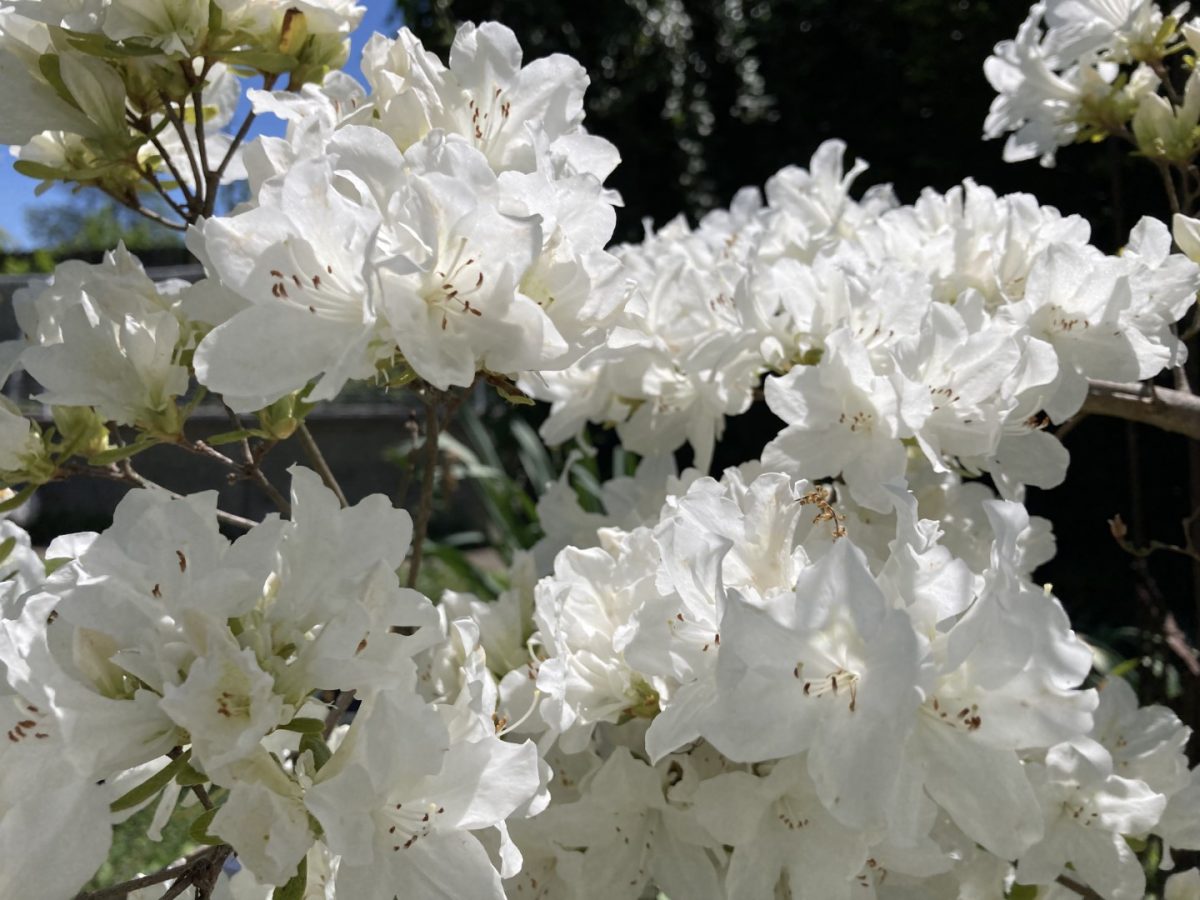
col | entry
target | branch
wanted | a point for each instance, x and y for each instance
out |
(1169, 410)
(201, 870)
(181, 130)
(318, 460)
(126, 475)
(250, 470)
(268, 83)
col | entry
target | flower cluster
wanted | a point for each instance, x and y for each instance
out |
(756, 696)
(161, 656)
(827, 674)
(470, 239)
(963, 324)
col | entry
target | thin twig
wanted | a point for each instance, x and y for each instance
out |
(126, 475)
(152, 179)
(317, 458)
(249, 470)
(269, 80)
(126, 887)
(181, 129)
(147, 213)
(425, 505)
(152, 136)
(1164, 172)
(1081, 889)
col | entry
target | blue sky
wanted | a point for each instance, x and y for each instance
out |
(16, 191)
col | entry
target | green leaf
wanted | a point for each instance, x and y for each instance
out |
(228, 437)
(116, 454)
(50, 66)
(260, 60)
(294, 889)
(188, 777)
(20, 497)
(6, 548)
(151, 785)
(99, 45)
(198, 831)
(304, 725)
(1023, 892)
(33, 169)
(317, 746)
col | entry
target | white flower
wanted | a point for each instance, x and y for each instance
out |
(776, 824)
(399, 802)
(1087, 810)
(106, 336)
(844, 418)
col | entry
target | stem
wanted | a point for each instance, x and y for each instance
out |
(425, 507)
(148, 213)
(249, 470)
(181, 130)
(318, 460)
(152, 136)
(1164, 172)
(269, 80)
(1081, 889)
(127, 475)
(152, 179)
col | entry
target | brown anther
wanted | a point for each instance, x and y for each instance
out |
(296, 278)
(316, 280)
(182, 560)
(276, 273)
(156, 591)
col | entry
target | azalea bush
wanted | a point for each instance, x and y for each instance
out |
(826, 673)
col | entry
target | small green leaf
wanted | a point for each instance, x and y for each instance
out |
(20, 497)
(50, 67)
(103, 47)
(1023, 892)
(33, 169)
(304, 725)
(294, 889)
(317, 746)
(151, 785)
(228, 437)
(187, 776)
(6, 548)
(260, 60)
(198, 831)
(116, 454)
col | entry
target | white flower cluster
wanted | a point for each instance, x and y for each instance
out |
(750, 688)
(451, 221)
(163, 654)
(953, 324)
(749, 698)
(1088, 69)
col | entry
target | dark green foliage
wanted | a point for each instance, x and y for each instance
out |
(703, 97)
